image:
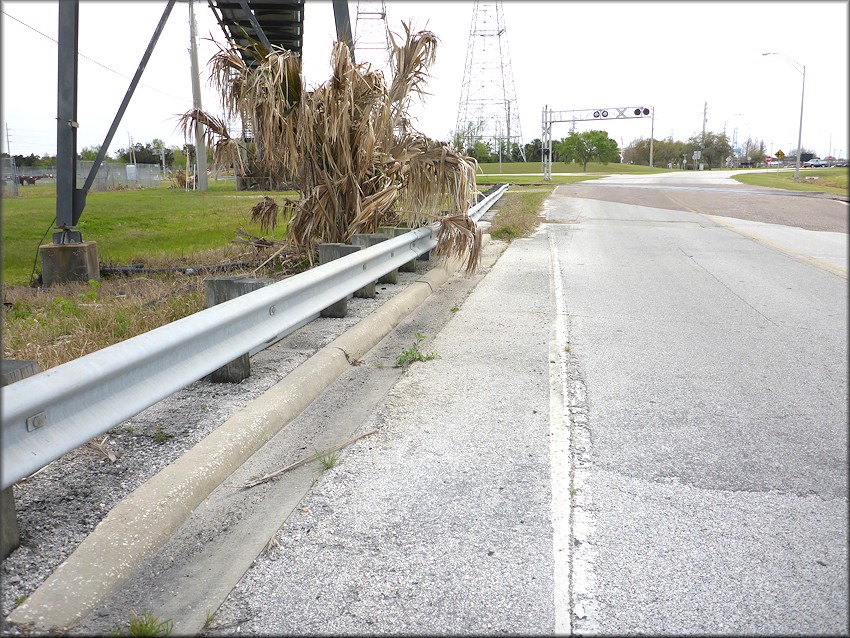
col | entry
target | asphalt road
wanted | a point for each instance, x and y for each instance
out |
(715, 367)
(637, 423)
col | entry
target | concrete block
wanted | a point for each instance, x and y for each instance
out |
(327, 253)
(409, 266)
(14, 370)
(10, 536)
(219, 290)
(61, 263)
(364, 241)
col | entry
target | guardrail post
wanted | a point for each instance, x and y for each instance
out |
(391, 231)
(395, 231)
(409, 266)
(365, 241)
(10, 536)
(219, 290)
(329, 252)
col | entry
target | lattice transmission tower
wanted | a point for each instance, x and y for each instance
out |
(372, 36)
(488, 106)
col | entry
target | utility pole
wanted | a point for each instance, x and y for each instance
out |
(162, 156)
(508, 107)
(200, 148)
(12, 164)
(704, 119)
(652, 140)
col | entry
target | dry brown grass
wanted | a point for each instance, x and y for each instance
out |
(347, 146)
(517, 213)
(65, 322)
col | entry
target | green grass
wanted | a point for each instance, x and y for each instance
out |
(531, 180)
(145, 624)
(820, 180)
(328, 459)
(532, 172)
(147, 226)
(562, 167)
(518, 212)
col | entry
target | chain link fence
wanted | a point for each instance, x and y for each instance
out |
(110, 176)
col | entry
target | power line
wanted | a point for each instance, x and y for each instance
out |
(93, 60)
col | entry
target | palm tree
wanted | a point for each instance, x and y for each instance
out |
(348, 146)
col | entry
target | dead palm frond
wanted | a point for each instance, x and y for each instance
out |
(459, 236)
(264, 213)
(347, 146)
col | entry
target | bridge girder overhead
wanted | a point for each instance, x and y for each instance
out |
(282, 22)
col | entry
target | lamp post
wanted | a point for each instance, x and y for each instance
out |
(823, 130)
(728, 119)
(802, 69)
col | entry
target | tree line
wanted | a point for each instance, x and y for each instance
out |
(152, 152)
(596, 146)
(581, 148)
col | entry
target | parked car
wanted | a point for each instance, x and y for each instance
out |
(816, 163)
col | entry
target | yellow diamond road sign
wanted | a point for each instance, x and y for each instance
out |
(780, 154)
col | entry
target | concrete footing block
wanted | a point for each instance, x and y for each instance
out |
(219, 290)
(364, 241)
(409, 266)
(327, 253)
(391, 231)
(62, 263)
(10, 535)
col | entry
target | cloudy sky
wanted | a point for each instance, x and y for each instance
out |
(682, 58)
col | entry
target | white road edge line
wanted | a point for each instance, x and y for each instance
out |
(570, 465)
(560, 462)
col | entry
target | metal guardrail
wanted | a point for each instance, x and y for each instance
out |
(51, 413)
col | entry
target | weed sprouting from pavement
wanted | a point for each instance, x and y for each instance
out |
(160, 436)
(327, 459)
(145, 624)
(413, 354)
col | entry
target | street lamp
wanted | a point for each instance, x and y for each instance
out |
(823, 130)
(801, 69)
(728, 119)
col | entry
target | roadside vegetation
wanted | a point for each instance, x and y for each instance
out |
(156, 227)
(64, 322)
(820, 180)
(517, 213)
(174, 229)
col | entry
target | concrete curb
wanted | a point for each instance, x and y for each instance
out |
(147, 518)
